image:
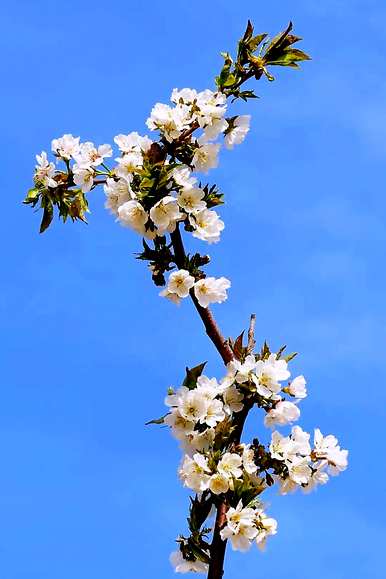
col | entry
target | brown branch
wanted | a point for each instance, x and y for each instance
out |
(218, 546)
(205, 314)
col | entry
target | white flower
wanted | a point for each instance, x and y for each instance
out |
(90, 156)
(206, 157)
(117, 193)
(182, 565)
(128, 164)
(207, 225)
(132, 214)
(182, 175)
(193, 406)
(66, 146)
(170, 121)
(281, 447)
(269, 373)
(211, 290)
(297, 388)
(283, 413)
(180, 282)
(84, 177)
(45, 171)
(199, 441)
(266, 526)
(248, 458)
(165, 214)
(179, 425)
(133, 142)
(209, 388)
(240, 528)
(238, 131)
(327, 448)
(242, 372)
(214, 413)
(170, 296)
(299, 470)
(184, 96)
(191, 200)
(241, 539)
(194, 472)
(213, 130)
(219, 484)
(319, 477)
(212, 107)
(300, 441)
(233, 400)
(230, 464)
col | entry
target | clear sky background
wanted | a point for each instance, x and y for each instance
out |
(88, 348)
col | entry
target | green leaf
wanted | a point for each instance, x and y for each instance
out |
(48, 214)
(192, 374)
(256, 41)
(290, 356)
(157, 420)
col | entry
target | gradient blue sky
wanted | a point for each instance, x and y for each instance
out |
(88, 348)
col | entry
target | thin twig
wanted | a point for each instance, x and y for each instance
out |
(251, 334)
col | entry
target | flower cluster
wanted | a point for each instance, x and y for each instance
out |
(245, 525)
(207, 291)
(204, 414)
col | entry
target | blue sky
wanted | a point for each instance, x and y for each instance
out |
(88, 348)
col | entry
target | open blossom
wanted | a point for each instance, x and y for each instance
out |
(206, 157)
(238, 131)
(283, 413)
(230, 465)
(180, 282)
(91, 156)
(194, 472)
(269, 374)
(207, 225)
(182, 565)
(133, 142)
(219, 483)
(242, 371)
(191, 200)
(299, 470)
(233, 400)
(214, 413)
(45, 171)
(183, 96)
(211, 290)
(182, 175)
(84, 177)
(327, 448)
(117, 193)
(128, 164)
(213, 130)
(248, 458)
(240, 527)
(193, 406)
(181, 427)
(132, 214)
(211, 107)
(66, 147)
(266, 526)
(297, 388)
(171, 121)
(165, 214)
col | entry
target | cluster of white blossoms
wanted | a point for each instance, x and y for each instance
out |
(307, 467)
(207, 291)
(246, 525)
(153, 188)
(201, 416)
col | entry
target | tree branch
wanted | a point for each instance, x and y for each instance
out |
(218, 546)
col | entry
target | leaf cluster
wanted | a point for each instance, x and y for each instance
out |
(254, 54)
(70, 203)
